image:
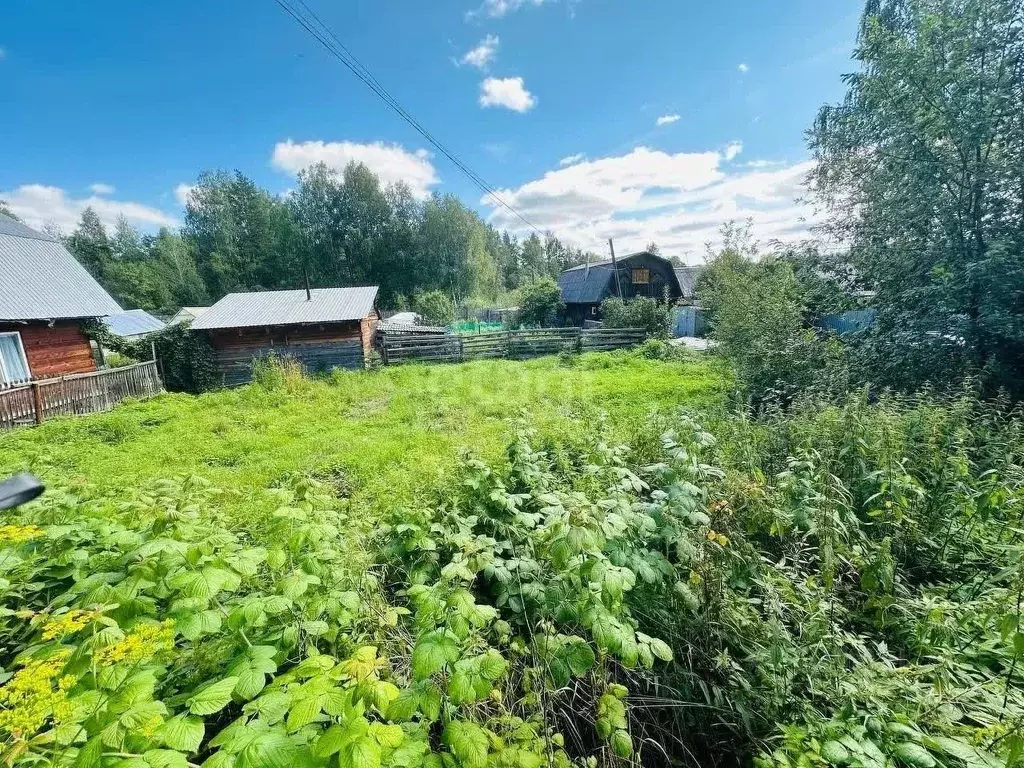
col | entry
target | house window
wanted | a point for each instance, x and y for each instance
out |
(13, 365)
(641, 276)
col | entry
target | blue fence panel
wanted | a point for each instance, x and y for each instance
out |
(847, 322)
(688, 321)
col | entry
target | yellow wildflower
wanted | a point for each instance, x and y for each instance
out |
(722, 540)
(141, 644)
(25, 613)
(29, 698)
(67, 623)
(712, 535)
(16, 534)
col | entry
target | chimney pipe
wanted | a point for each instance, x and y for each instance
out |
(305, 274)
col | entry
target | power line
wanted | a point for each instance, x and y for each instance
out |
(346, 57)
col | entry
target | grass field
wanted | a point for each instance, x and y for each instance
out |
(385, 434)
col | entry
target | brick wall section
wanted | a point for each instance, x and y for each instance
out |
(59, 350)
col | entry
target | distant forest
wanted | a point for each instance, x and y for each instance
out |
(345, 228)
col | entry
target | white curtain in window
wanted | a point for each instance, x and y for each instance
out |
(14, 369)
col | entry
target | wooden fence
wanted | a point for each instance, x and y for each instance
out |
(78, 394)
(517, 345)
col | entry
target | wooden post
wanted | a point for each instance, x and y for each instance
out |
(37, 399)
(615, 268)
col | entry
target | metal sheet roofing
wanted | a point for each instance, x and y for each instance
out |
(134, 322)
(328, 305)
(40, 280)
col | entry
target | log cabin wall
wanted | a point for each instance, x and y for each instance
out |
(318, 348)
(57, 350)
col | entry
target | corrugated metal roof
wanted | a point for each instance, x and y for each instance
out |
(40, 280)
(328, 305)
(134, 322)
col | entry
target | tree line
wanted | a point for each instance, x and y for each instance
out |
(341, 229)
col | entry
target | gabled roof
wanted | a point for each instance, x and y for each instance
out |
(187, 314)
(328, 305)
(687, 277)
(134, 322)
(40, 280)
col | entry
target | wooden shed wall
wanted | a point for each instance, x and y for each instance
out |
(316, 347)
(59, 350)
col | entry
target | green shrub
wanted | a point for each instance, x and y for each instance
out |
(185, 358)
(435, 307)
(540, 303)
(653, 316)
(756, 313)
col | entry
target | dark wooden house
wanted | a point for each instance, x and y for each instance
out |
(46, 300)
(322, 329)
(639, 274)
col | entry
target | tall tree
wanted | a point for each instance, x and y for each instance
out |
(240, 235)
(91, 245)
(921, 172)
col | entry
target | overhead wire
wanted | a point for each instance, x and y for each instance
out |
(324, 35)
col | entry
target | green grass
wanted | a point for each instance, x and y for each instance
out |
(386, 435)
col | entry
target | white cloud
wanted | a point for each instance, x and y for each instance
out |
(484, 53)
(677, 200)
(391, 162)
(571, 159)
(38, 205)
(743, 68)
(733, 149)
(183, 192)
(509, 92)
(668, 120)
(99, 188)
(498, 8)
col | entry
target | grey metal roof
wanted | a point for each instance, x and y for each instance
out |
(134, 322)
(687, 277)
(582, 286)
(328, 305)
(40, 280)
(187, 315)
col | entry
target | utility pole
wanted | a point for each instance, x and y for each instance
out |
(615, 267)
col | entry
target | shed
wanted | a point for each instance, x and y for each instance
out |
(133, 324)
(584, 287)
(46, 300)
(187, 315)
(322, 329)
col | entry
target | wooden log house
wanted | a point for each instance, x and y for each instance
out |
(640, 274)
(46, 299)
(320, 328)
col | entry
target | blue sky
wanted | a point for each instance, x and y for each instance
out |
(120, 104)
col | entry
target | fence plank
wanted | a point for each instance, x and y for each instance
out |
(77, 394)
(511, 344)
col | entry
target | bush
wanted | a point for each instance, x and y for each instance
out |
(435, 307)
(540, 303)
(756, 313)
(186, 359)
(277, 373)
(653, 316)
